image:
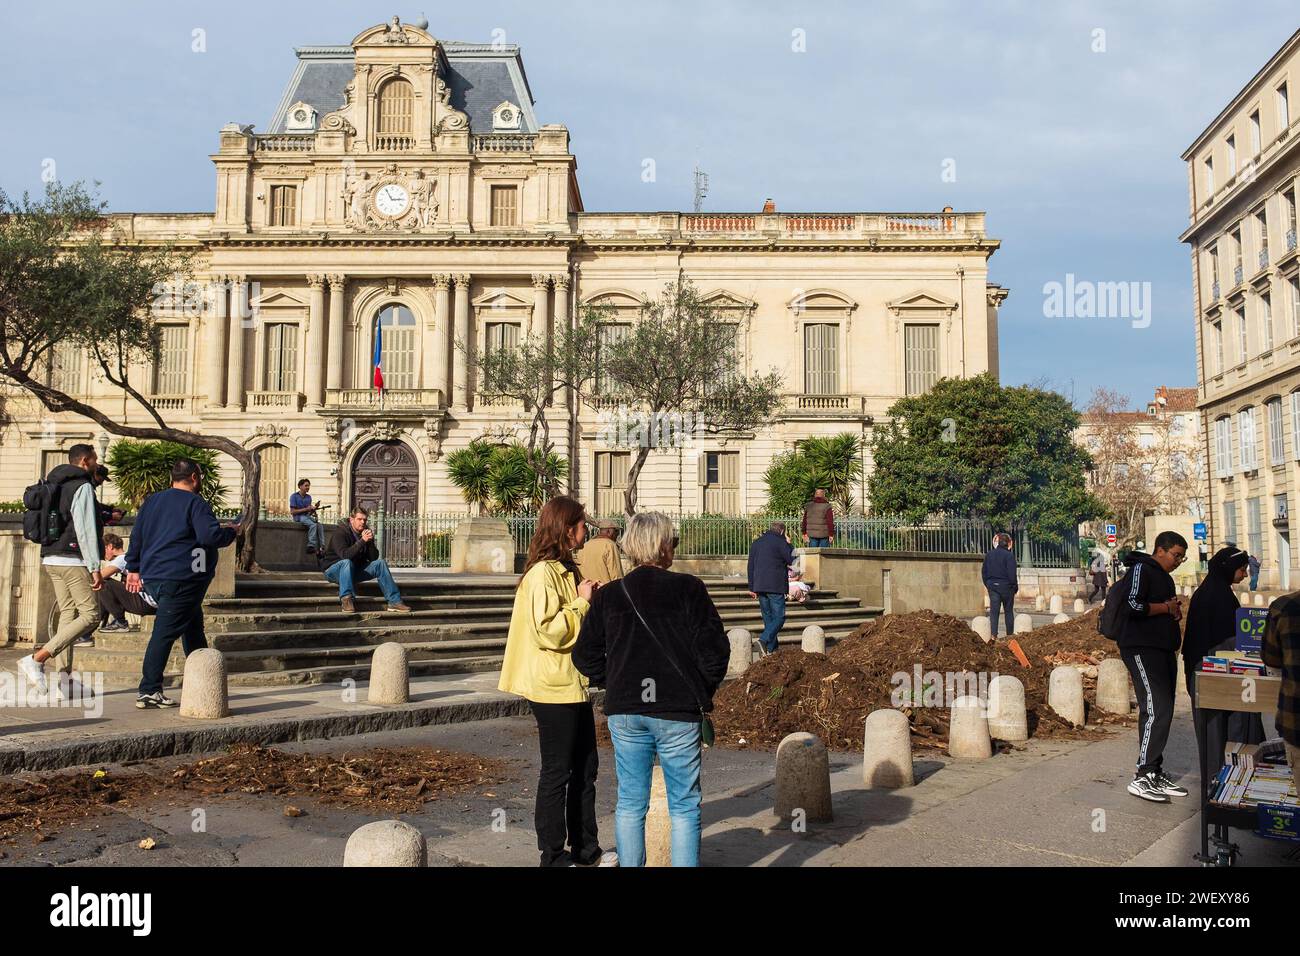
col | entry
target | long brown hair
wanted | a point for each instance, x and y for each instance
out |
(551, 538)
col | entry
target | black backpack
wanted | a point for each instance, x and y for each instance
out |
(43, 522)
(1114, 614)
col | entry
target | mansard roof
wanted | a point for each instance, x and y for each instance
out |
(480, 75)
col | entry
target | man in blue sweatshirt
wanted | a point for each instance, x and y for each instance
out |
(173, 556)
(999, 574)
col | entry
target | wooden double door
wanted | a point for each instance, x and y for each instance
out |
(386, 481)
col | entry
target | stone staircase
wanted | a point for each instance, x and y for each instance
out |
(287, 628)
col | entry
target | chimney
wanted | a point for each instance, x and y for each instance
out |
(769, 206)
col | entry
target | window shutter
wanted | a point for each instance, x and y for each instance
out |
(702, 469)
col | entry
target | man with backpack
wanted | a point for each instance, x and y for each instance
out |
(1141, 615)
(63, 516)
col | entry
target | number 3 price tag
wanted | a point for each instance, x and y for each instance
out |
(1280, 823)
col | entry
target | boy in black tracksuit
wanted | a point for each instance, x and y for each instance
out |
(1149, 648)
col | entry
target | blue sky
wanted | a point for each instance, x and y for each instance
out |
(1073, 153)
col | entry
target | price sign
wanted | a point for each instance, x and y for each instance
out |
(1250, 627)
(1279, 823)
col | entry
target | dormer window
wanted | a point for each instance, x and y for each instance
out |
(301, 118)
(506, 118)
(394, 119)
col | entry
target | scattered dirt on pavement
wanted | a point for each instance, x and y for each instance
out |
(397, 780)
(831, 694)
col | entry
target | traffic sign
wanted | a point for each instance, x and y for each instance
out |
(1110, 531)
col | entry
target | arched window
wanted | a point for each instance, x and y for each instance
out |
(394, 115)
(398, 346)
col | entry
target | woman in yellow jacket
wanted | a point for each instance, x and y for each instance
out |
(550, 604)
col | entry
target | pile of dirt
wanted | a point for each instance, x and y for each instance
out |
(396, 780)
(891, 662)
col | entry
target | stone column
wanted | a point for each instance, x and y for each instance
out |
(334, 349)
(441, 335)
(460, 385)
(562, 321)
(541, 320)
(235, 365)
(315, 358)
(217, 333)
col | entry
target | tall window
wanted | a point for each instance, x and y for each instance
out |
(609, 333)
(720, 479)
(1246, 433)
(1231, 145)
(821, 358)
(1283, 108)
(281, 357)
(1242, 343)
(1294, 284)
(1209, 176)
(284, 205)
(395, 116)
(497, 337)
(169, 374)
(1295, 425)
(1266, 321)
(1237, 252)
(1276, 437)
(1255, 138)
(920, 357)
(1230, 521)
(398, 346)
(274, 487)
(1254, 527)
(611, 480)
(505, 205)
(1288, 210)
(1217, 328)
(1214, 269)
(1261, 230)
(65, 367)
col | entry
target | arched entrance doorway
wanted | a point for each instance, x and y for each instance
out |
(386, 482)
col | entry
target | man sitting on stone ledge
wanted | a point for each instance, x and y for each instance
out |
(352, 557)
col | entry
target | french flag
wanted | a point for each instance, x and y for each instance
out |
(379, 354)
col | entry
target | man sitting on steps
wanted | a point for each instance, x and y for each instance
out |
(352, 557)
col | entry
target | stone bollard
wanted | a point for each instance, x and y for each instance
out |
(1006, 710)
(1259, 600)
(1113, 686)
(814, 639)
(203, 689)
(389, 681)
(742, 651)
(1065, 693)
(1061, 618)
(986, 600)
(658, 827)
(1079, 606)
(385, 843)
(887, 751)
(1040, 603)
(803, 778)
(980, 625)
(1024, 623)
(968, 730)
(1056, 605)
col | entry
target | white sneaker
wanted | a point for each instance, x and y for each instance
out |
(608, 858)
(34, 672)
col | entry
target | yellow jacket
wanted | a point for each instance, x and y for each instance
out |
(544, 625)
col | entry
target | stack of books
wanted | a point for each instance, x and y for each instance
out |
(1246, 781)
(1234, 662)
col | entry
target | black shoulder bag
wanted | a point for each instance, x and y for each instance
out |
(706, 722)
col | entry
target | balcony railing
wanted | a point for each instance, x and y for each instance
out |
(1215, 290)
(170, 403)
(495, 400)
(805, 402)
(393, 143)
(290, 400)
(1290, 240)
(1238, 276)
(285, 142)
(397, 398)
(504, 142)
(785, 225)
(1263, 258)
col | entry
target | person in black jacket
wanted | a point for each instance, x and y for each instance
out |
(1212, 626)
(999, 575)
(1148, 645)
(655, 642)
(352, 557)
(768, 574)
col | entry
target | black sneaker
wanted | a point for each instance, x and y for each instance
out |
(1144, 786)
(84, 642)
(113, 626)
(1168, 786)
(153, 701)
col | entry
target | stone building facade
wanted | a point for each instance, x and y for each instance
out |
(1242, 177)
(406, 187)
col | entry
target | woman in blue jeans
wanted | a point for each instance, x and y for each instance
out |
(655, 642)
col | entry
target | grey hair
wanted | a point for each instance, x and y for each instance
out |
(646, 536)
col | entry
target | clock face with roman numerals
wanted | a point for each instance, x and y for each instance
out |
(392, 200)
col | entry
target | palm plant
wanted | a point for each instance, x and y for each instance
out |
(467, 469)
(835, 463)
(139, 468)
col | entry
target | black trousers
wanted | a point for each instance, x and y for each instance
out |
(1155, 678)
(1098, 584)
(1002, 593)
(566, 787)
(180, 615)
(116, 602)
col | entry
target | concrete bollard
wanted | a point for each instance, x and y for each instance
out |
(814, 639)
(1040, 603)
(981, 626)
(968, 730)
(389, 680)
(1006, 710)
(887, 751)
(1056, 605)
(1259, 600)
(1061, 618)
(742, 651)
(986, 600)
(1065, 693)
(658, 827)
(1079, 606)
(203, 689)
(1113, 686)
(803, 778)
(1024, 623)
(386, 843)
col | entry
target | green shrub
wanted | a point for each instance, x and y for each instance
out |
(139, 468)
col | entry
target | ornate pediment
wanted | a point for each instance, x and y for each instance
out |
(922, 302)
(500, 299)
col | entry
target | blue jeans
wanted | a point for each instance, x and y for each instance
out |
(772, 607)
(819, 542)
(315, 532)
(637, 739)
(346, 577)
(1254, 580)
